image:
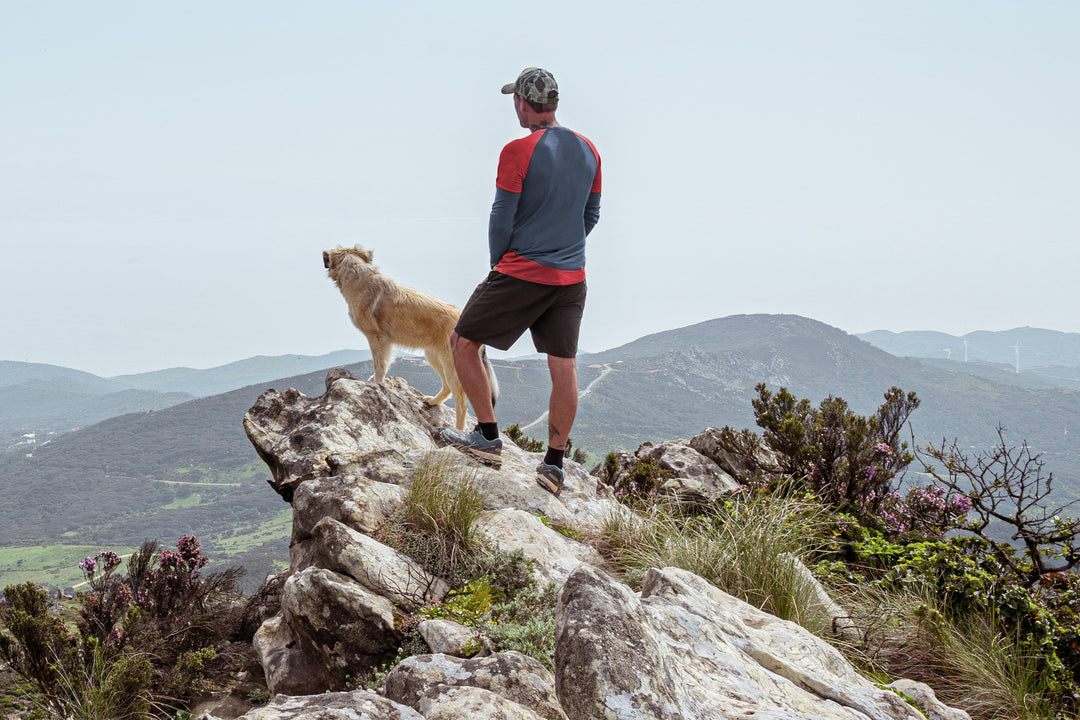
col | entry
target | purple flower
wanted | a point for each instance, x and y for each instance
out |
(89, 565)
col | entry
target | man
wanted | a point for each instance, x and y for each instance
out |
(547, 199)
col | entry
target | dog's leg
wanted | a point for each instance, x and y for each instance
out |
(461, 401)
(439, 363)
(380, 357)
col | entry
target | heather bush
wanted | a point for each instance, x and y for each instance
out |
(143, 639)
(856, 464)
(640, 484)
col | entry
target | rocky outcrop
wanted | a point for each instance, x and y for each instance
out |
(680, 648)
(342, 459)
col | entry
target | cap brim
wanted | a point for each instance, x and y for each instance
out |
(509, 88)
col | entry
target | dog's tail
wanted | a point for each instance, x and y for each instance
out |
(492, 380)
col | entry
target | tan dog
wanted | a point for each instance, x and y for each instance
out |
(389, 314)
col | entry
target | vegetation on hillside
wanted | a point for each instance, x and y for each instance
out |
(141, 644)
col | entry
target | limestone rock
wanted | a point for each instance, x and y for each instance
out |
(355, 500)
(354, 424)
(696, 478)
(515, 677)
(377, 567)
(456, 703)
(693, 478)
(361, 429)
(263, 604)
(555, 554)
(446, 636)
(287, 667)
(738, 452)
(358, 705)
(686, 650)
(342, 625)
(927, 701)
(681, 649)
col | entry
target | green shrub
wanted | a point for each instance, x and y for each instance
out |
(528, 444)
(640, 484)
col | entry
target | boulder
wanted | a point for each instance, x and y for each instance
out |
(446, 636)
(738, 452)
(457, 703)
(555, 555)
(695, 478)
(378, 568)
(420, 681)
(923, 696)
(287, 667)
(345, 628)
(357, 705)
(685, 650)
(355, 500)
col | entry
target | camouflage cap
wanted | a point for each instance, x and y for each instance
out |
(534, 84)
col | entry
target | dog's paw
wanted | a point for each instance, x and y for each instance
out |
(432, 400)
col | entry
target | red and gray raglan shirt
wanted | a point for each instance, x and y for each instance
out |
(547, 199)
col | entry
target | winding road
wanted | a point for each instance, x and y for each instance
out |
(588, 388)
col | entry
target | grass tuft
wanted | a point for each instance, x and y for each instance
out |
(745, 549)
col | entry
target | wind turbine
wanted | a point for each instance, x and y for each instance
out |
(948, 353)
(965, 349)
(1016, 347)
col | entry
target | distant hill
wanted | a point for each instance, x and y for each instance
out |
(190, 469)
(203, 383)
(670, 383)
(39, 401)
(1037, 348)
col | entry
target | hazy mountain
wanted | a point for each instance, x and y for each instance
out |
(1036, 348)
(677, 382)
(17, 373)
(38, 401)
(190, 469)
(202, 383)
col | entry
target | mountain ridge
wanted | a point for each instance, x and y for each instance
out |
(129, 476)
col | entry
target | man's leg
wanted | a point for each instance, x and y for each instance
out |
(473, 376)
(562, 408)
(484, 442)
(561, 411)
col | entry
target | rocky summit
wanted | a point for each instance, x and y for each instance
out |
(680, 648)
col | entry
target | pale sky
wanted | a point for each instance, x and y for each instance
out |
(170, 173)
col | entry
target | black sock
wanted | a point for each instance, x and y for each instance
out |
(490, 431)
(554, 457)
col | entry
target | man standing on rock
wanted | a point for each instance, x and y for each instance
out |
(547, 199)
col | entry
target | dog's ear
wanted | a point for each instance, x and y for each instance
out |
(365, 254)
(326, 259)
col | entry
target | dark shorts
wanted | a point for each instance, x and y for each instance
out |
(502, 308)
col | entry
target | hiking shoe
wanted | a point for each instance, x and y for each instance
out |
(550, 478)
(474, 443)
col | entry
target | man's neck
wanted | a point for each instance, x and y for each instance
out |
(542, 121)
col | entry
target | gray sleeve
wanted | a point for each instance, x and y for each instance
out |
(501, 223)
(592, 211)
